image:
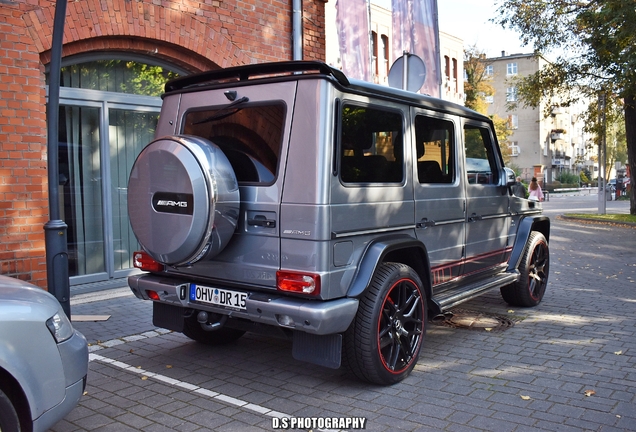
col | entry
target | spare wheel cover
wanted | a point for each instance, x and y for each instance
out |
(183, 199)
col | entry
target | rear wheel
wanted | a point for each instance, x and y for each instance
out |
(8, 417)
(534, 269)
(220, 336)
(383, 343)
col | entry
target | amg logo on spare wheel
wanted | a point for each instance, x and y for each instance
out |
(167, 202)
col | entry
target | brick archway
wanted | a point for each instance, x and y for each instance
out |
(178, 36)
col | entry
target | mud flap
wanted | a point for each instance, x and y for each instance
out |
(323, 350)
(167, 316)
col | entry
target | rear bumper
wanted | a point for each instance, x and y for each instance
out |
(310, 316)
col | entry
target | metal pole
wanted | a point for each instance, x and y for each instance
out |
(602, 204)
(405, 70)
(297, 29)
(55, 229)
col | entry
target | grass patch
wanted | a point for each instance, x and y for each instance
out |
(606, 217)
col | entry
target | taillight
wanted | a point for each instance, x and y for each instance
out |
(303, 283)
(153, 295)
(143, 261)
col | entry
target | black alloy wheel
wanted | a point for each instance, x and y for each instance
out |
(534, 270)
(384, 341)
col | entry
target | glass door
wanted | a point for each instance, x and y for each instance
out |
(108, 112)
(81, 203)
(129, 132)
(98, 144)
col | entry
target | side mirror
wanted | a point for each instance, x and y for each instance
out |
(511, 178)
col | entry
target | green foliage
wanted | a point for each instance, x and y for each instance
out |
(584, 178)
(477, 84)
(568, 177)
(117, 76)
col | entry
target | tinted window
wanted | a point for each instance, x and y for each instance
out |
(250, 136)
(435, 149)
(371, 146)
(481, 165)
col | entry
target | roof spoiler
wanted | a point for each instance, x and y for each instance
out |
(255, 71)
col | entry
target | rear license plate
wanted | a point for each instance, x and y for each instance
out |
(218, 296)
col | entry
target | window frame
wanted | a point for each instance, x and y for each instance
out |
(339, 149)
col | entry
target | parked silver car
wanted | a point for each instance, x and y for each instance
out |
(43, 359)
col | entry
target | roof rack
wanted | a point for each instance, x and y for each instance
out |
(253, 71)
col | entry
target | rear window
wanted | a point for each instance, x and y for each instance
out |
(250, 135)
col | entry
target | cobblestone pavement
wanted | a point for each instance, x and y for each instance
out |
(568, 364)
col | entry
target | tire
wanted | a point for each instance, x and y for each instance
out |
(183, 199)
(221, 336)
(383, 343)
(8, 416)
(534, 270)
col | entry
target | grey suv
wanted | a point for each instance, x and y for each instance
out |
(289, 200)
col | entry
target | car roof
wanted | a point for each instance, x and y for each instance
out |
(296, 70)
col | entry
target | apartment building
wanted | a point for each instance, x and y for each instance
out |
(540, 146)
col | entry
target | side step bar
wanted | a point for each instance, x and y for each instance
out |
(447, 299)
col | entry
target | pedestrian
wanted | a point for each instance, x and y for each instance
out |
(536, 194)
(519, 189)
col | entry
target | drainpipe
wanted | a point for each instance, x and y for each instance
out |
(297, 29)
(55, 229)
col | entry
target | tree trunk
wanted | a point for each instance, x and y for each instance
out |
(630, 134)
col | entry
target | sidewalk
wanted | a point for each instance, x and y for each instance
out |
(567, 365)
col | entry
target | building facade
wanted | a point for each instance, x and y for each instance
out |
(541, 146)
(381, 58)
(115, 58)
(452, 66)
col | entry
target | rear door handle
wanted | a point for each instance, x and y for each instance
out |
(262, 221)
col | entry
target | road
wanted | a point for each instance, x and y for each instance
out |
(568, 364)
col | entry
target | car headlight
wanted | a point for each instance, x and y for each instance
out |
(60, 327)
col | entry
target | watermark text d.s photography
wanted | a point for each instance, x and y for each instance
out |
(319, 422)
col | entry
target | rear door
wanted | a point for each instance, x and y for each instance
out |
(254, 135)
(372, 195)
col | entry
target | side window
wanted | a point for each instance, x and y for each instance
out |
(435, 148)
(371, 145)
(481, 165)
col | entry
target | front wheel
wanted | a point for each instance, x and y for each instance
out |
(8, 417)
(383, 343)
(534, 270)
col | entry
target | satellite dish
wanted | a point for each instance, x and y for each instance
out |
(415, 73)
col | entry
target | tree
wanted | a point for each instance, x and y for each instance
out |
(614, 131)
(597, 44)
(478, 85)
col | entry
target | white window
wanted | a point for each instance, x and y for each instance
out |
(489, 99)
(515, 150)
(489, 70)
(511, 94)
(513, 121)
(511, 69)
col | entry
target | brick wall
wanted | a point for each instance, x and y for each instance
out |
(196, 35)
